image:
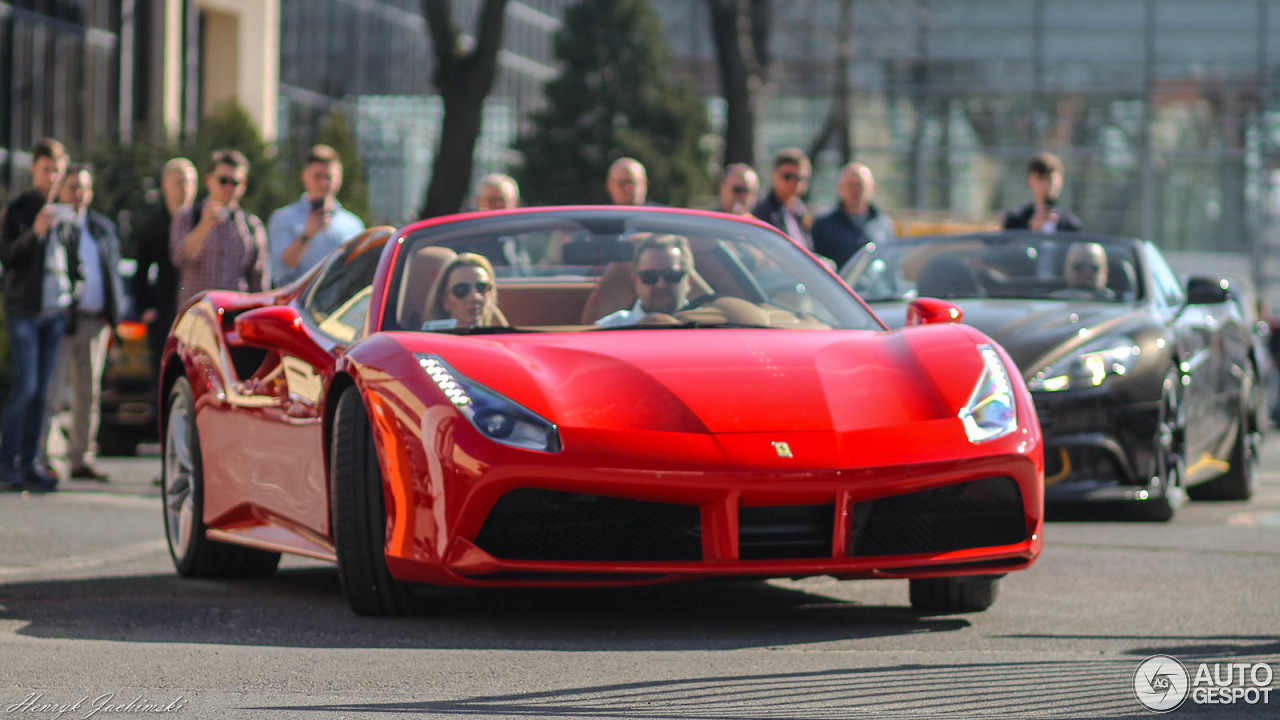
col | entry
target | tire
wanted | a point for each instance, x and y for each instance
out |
(1240, 479)
(117, 441)
(1169, 464)
(194, 555)
(359, 517)
(973, 593)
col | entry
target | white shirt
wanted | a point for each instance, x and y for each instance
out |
(629, 316)
(92, 297)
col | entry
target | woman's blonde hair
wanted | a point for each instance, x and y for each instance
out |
(435, 300)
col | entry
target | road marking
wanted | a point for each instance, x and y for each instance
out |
(77, 563)
(1255, 519)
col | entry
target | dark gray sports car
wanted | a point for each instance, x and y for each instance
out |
(1147, 388)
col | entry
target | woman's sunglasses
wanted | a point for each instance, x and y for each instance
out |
(650, 277)
(463, 289)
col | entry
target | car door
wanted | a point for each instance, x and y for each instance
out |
(287, 415)
(1195, 332)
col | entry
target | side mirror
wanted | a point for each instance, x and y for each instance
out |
(279, 327)
(1202, 290)
(930, 311)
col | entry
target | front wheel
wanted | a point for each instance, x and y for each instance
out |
(359, 516)
(973, 593)
(1169, 465)
(194, 555)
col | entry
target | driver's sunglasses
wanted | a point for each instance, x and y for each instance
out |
(463, 289)
(225, 181)
(1086, 267)
(672, 276)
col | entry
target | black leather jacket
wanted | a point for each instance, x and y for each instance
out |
(22, 253)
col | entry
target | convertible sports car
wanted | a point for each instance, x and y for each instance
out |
(1147, 390)
(766, 425)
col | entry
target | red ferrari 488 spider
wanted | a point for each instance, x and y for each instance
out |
(592, 396)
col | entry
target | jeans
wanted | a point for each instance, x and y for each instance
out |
(33, 351)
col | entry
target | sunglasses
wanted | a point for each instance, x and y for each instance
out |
(793, 176)
(463, 289)
(225, 181)
(672, 276)
(740, 189)
(1086, 267)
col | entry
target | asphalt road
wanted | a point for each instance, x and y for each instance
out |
(92, 613)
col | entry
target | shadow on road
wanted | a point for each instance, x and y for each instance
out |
(1015, 689)
(305, 608)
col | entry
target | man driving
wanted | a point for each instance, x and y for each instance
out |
(661, 280)
(1086, 270)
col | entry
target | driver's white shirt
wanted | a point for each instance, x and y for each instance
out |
(628, 316)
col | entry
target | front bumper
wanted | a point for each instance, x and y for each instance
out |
(627, 527)
(1098, 447)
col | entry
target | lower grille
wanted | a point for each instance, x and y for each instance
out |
(785, 532)
(975, 514)
(530, 524)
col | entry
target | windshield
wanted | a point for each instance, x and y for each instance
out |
(1002, 265)
(610, 269)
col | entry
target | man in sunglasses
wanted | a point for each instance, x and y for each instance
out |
(1086, 273)
(215, 244)
(660, 278)
(739, 187)
(782, 207)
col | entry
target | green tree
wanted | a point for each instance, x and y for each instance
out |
(613, 99)
(336, 132)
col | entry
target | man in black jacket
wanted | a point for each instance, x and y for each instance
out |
(95, 311)
(854, 221)
(157, 303)
(1044, 177)
(782, 207)
(40, 272)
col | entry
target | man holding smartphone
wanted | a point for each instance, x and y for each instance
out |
(42, 270)
(1043, 214)
(303, 233)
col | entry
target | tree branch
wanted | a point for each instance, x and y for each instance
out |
(444, 35)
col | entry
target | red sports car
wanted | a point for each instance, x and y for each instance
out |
(593, 396)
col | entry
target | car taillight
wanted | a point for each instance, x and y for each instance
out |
(130, 331)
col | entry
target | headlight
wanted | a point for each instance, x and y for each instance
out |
(498, 418)
(991, 411)
(1089, 366)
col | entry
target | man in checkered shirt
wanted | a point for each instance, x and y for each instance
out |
(215, 244)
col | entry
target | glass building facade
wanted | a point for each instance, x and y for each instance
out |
(1164, 111)
(372, 59)
(59, 77)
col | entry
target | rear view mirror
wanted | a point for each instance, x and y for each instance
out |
(279, 327)
(1204, 290)
(930, 311)
(597, 252)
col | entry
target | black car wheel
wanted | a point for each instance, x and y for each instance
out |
(359, 518)
(1240, 479)
(1169, 464)
(195, 555)
(973, 593)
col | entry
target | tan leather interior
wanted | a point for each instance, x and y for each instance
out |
(544, 303)
(424, 268)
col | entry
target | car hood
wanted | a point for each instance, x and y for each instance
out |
(1033, 331)
(725, 380)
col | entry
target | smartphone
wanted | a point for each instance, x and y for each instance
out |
(317, 204)
(1050, 202)
(62, 212)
